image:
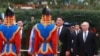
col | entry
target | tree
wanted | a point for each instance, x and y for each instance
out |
(15, 1)
(19, 1)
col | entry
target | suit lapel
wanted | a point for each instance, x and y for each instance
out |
(87, 36)
(82, 36)
(74, 33)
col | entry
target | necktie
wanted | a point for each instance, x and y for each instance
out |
(76, 32)
(85, 36)
(59, 31)
(59, 43)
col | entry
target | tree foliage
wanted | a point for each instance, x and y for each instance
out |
(15, 1)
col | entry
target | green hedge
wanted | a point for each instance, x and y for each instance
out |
(69, 15)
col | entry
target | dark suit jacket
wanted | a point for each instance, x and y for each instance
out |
(73, 39)
(73, 34)
(89, 47)
(65, 38)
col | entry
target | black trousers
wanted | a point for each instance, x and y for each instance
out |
(72, 54)
(62, 54)
(86, 54)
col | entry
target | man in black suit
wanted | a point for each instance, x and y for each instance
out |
(74, 36)
(76, 30)
(64, 37)
(86, 44)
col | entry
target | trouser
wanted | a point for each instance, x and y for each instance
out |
(86, 54)
(72, 54)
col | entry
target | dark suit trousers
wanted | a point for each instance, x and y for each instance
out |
(86, 54)
(62, 53)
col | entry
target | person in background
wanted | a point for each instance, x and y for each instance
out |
(28, 29)
(72, 28)
(10, 41)
(31, 42)
(86, 42)
(74, 33)
(31, 39)
(64, 37)
(20, 24)
(93, 29)
(32, 18)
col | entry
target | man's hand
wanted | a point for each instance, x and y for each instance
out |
(33, 55)
(0, 54)
(67, 53)
(71, 49)
(94, 55)
(55, 54)
(77, 55)
(18, 54)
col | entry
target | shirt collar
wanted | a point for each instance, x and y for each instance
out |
(61, 27)
(86, 31)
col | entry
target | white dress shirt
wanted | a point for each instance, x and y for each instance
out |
(77, 31)
(85, 34)
(21, 32)
(59, 29)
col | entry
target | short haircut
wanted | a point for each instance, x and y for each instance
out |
(85, 23)
(60, 17)
(76, 24)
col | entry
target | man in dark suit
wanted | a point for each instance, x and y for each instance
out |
(74, 36)
(64, 37)
(86, 44)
